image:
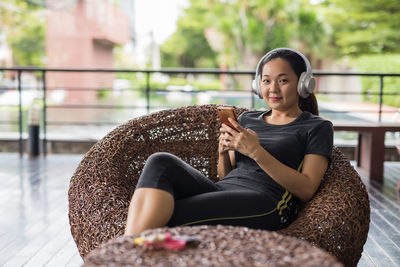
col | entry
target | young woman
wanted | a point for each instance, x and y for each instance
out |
(274, 160)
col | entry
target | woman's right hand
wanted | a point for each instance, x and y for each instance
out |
(223, 141)
(226, 159)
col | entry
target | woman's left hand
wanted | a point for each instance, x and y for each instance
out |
(243, 140)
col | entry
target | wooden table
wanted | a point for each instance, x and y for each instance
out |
(370, 150)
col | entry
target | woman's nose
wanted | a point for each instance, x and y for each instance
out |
(274, 86)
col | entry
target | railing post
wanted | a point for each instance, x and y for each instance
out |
(21, 141)
(44, 113)
(148, 92)
(380, 97)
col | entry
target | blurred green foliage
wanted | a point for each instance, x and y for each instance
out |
(24, 26)
(29, 44)
(188, 46)
(380, 64)
(234, 34)
(363, 27)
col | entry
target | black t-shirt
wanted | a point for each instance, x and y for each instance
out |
(289, 143)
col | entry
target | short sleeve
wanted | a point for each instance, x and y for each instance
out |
(240, 117)
(320, 140)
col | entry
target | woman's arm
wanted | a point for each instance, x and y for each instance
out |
(226, 163)
(303, 185)
(226, 156)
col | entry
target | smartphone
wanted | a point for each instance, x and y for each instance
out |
(227, 112)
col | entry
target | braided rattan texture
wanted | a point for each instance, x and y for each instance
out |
(219, 246)
(336, 219)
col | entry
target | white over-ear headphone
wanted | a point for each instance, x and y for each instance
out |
(306, 84)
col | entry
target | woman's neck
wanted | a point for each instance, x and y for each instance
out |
(282, 117)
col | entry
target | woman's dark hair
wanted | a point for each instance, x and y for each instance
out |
(298, 65)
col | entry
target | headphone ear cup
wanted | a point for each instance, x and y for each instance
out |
(256, 86)
(310, 84)
(306, 85)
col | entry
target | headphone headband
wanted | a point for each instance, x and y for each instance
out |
(273, 51)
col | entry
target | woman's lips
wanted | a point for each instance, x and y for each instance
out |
(274, 98)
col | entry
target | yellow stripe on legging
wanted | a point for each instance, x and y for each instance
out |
(285, 205)
(285, 199)
(280, 203)
(230, 218)
(287, 196)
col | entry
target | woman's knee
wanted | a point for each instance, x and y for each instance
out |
(161, 158)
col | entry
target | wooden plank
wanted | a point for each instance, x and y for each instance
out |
(384, 233)
(392, 178)
(389, 216)
(64, 255)
(75, 261)
(382, 202)
(30, 242)
(365, 261)
(28, 223)
(47, 252)
(36, 206)
(387, 228)
(385, 193)
(377, 255)
(386, 244)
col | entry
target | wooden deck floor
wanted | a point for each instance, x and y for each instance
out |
(34, 229)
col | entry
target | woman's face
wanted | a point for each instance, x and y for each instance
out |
(279, 85)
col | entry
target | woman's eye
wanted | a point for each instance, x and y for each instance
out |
(284, 81)
(266, 81)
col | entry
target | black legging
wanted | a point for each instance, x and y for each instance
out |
(200, 201)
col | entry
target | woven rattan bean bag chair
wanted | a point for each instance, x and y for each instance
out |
(336, 219)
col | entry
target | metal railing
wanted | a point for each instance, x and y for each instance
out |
(148, 90)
